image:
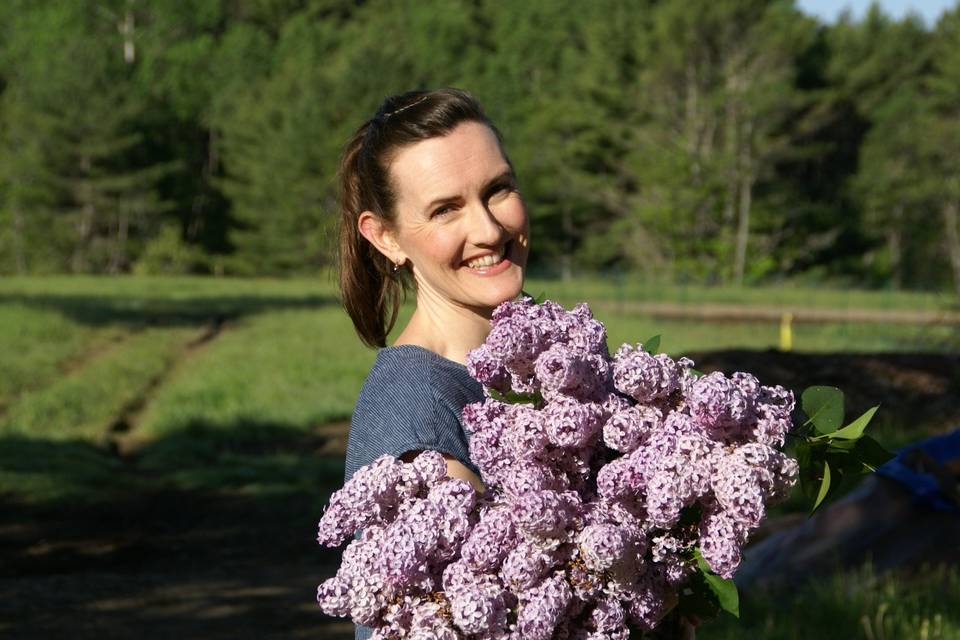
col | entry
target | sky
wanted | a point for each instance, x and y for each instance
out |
(828, 10)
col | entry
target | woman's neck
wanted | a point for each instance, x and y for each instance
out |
(447, 330)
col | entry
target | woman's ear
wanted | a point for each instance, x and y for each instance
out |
(377, 233)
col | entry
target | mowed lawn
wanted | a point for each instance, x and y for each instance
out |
(216, 382)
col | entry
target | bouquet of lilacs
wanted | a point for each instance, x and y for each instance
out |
(619, 489)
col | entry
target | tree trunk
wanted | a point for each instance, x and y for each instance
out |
(19, 250)
(895, 246)
(952, 238)
(118, 261)
(127, 27)
(85, 223)
(745, 187)
(743, 229)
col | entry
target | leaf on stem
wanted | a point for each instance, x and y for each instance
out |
(824, 407)
(650, 345)
(824, 487)
(854, 430)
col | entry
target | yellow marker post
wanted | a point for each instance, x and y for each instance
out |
(786, 332)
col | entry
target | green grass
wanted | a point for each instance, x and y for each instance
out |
(235, 412)
(924, 606)
(82, 405)
(38, 344)
(627, 288)
(684, 336)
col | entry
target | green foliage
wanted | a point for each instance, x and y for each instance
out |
(715, 142)
(168, 254)
(831, 457)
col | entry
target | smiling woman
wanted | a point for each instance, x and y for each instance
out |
(429, 203)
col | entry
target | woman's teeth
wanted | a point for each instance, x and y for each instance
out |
(487, 261)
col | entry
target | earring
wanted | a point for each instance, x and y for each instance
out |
(396, 267)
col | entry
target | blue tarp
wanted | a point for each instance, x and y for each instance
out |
(905, 469)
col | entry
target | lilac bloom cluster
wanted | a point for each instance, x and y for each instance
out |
(604, 474)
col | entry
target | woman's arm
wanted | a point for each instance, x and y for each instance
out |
(455, 469)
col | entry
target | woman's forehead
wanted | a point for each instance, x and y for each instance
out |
(467, 157)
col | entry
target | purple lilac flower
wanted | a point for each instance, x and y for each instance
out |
(490, 540)
(489, 415)
(516, 341)
(643, 376)
(609, 618)
(525, 434)
(488, 369)
(625, 430)
(543, 513)
(528, 562)
(542, 606)
(528, 476)
(720, 405)
(479, 605)
(619, 478)
(365, 498)
(664, 501)
(563, 370)
(774, 406)
(603, 545)
(648, 600)
(667, 552)
(721, 537)
(333, 596)
(570, 423)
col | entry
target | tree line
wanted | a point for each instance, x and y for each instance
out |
(728, 141)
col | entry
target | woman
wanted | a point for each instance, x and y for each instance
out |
(429, 201)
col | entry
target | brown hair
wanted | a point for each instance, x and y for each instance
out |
(371, 290)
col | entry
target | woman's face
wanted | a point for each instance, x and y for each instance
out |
(460, 220)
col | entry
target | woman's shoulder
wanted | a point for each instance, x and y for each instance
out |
(411, 400)
(412, 374)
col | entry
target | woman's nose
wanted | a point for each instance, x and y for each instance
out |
(485, 228)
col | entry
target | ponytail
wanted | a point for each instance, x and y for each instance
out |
(370, 290)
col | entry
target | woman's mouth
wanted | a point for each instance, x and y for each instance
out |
(491, 264)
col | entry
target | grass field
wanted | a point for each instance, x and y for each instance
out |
(187, 370)
(117, 387)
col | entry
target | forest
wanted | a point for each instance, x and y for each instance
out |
(700, 141)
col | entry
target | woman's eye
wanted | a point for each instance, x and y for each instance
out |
(445, 209)
(501, 189)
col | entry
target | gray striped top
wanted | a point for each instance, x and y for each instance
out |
(410, 401)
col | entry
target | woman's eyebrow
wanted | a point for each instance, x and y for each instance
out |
(506, 174)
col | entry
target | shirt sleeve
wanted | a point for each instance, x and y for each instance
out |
(402, 411)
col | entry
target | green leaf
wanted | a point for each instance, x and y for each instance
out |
(724, 589)
(870, 453)
(854, 430)
(697, 599)
(512, 397)
(651, 345)
(540, 298)
(696, 373)
(824, 487)
(824, 407)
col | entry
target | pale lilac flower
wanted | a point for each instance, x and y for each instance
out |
(542, 607)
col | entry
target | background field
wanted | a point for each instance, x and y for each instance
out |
(167, 445)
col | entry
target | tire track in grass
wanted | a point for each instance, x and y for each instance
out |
(121, 434)
(74, 363)
(77, 406)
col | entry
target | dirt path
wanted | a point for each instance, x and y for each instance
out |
(185, 565)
